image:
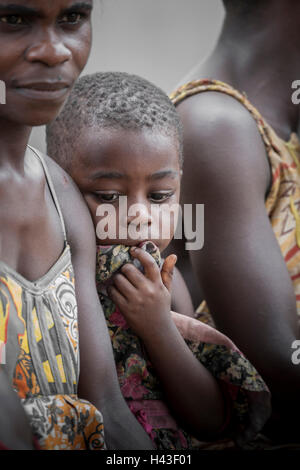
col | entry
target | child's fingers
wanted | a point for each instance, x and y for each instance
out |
(168, 270)
(149, 264)
(124, 286)
(135, 276)
(116, 297)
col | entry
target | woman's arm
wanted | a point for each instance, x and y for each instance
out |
(181, 301)
(15, 431)
(241, 268)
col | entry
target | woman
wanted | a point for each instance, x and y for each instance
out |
(248, 151)
(44, 47)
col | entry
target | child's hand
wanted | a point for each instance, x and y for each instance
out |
(144, 299)
(167, 271)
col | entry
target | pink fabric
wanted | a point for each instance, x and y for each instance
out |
(133, 388)
(118, 319)
(3, 447)
(35, 442)
(194, 330)
(154, 414)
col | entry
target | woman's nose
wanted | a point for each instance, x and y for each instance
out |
(49, 49)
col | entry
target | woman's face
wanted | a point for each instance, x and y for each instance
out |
(44, 45)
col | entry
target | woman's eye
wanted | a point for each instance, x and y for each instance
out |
(71, 18)
(12, 19)
(160, 197)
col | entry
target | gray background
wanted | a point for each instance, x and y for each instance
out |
(160, 40)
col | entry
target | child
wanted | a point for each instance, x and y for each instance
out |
(119, 135)
(43, 397)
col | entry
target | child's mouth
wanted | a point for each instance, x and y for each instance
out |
(111, 258)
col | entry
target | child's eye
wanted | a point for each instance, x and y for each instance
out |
(13, 20)
(107, 197)
(160, 197)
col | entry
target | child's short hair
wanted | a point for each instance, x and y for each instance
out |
(111, 99)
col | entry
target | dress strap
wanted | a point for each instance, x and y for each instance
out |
(199, 86)
(52, 190)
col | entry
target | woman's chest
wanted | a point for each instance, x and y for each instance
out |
(31, 237)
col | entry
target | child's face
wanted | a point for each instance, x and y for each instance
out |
(141, 165)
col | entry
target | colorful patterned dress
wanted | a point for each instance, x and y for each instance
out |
(283, 200)
(40, 352)
(248, 400)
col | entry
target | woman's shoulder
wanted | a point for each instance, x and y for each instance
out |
(206, 102)
(77, 219)
(221, 129)
(61, 179)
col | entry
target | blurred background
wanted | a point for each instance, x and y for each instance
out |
(161, 40)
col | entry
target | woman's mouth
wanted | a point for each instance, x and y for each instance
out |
(43, 91)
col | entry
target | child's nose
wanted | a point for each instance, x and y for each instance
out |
(139, 214)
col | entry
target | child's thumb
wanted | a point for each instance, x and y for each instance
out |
(167, 271)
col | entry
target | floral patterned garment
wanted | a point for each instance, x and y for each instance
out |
(40, 353)
(248, 398)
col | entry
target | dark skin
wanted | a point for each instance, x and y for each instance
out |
(97, 182)
(240, 270)
(42, 53)
(144, 166)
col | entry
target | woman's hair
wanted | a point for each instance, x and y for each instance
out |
(111, 100)
(243, 6)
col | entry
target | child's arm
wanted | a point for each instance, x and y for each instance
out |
(192, 392)
(181, 300)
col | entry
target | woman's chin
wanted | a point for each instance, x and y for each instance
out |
(41, 118)
(28, 119)
(31, 114)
